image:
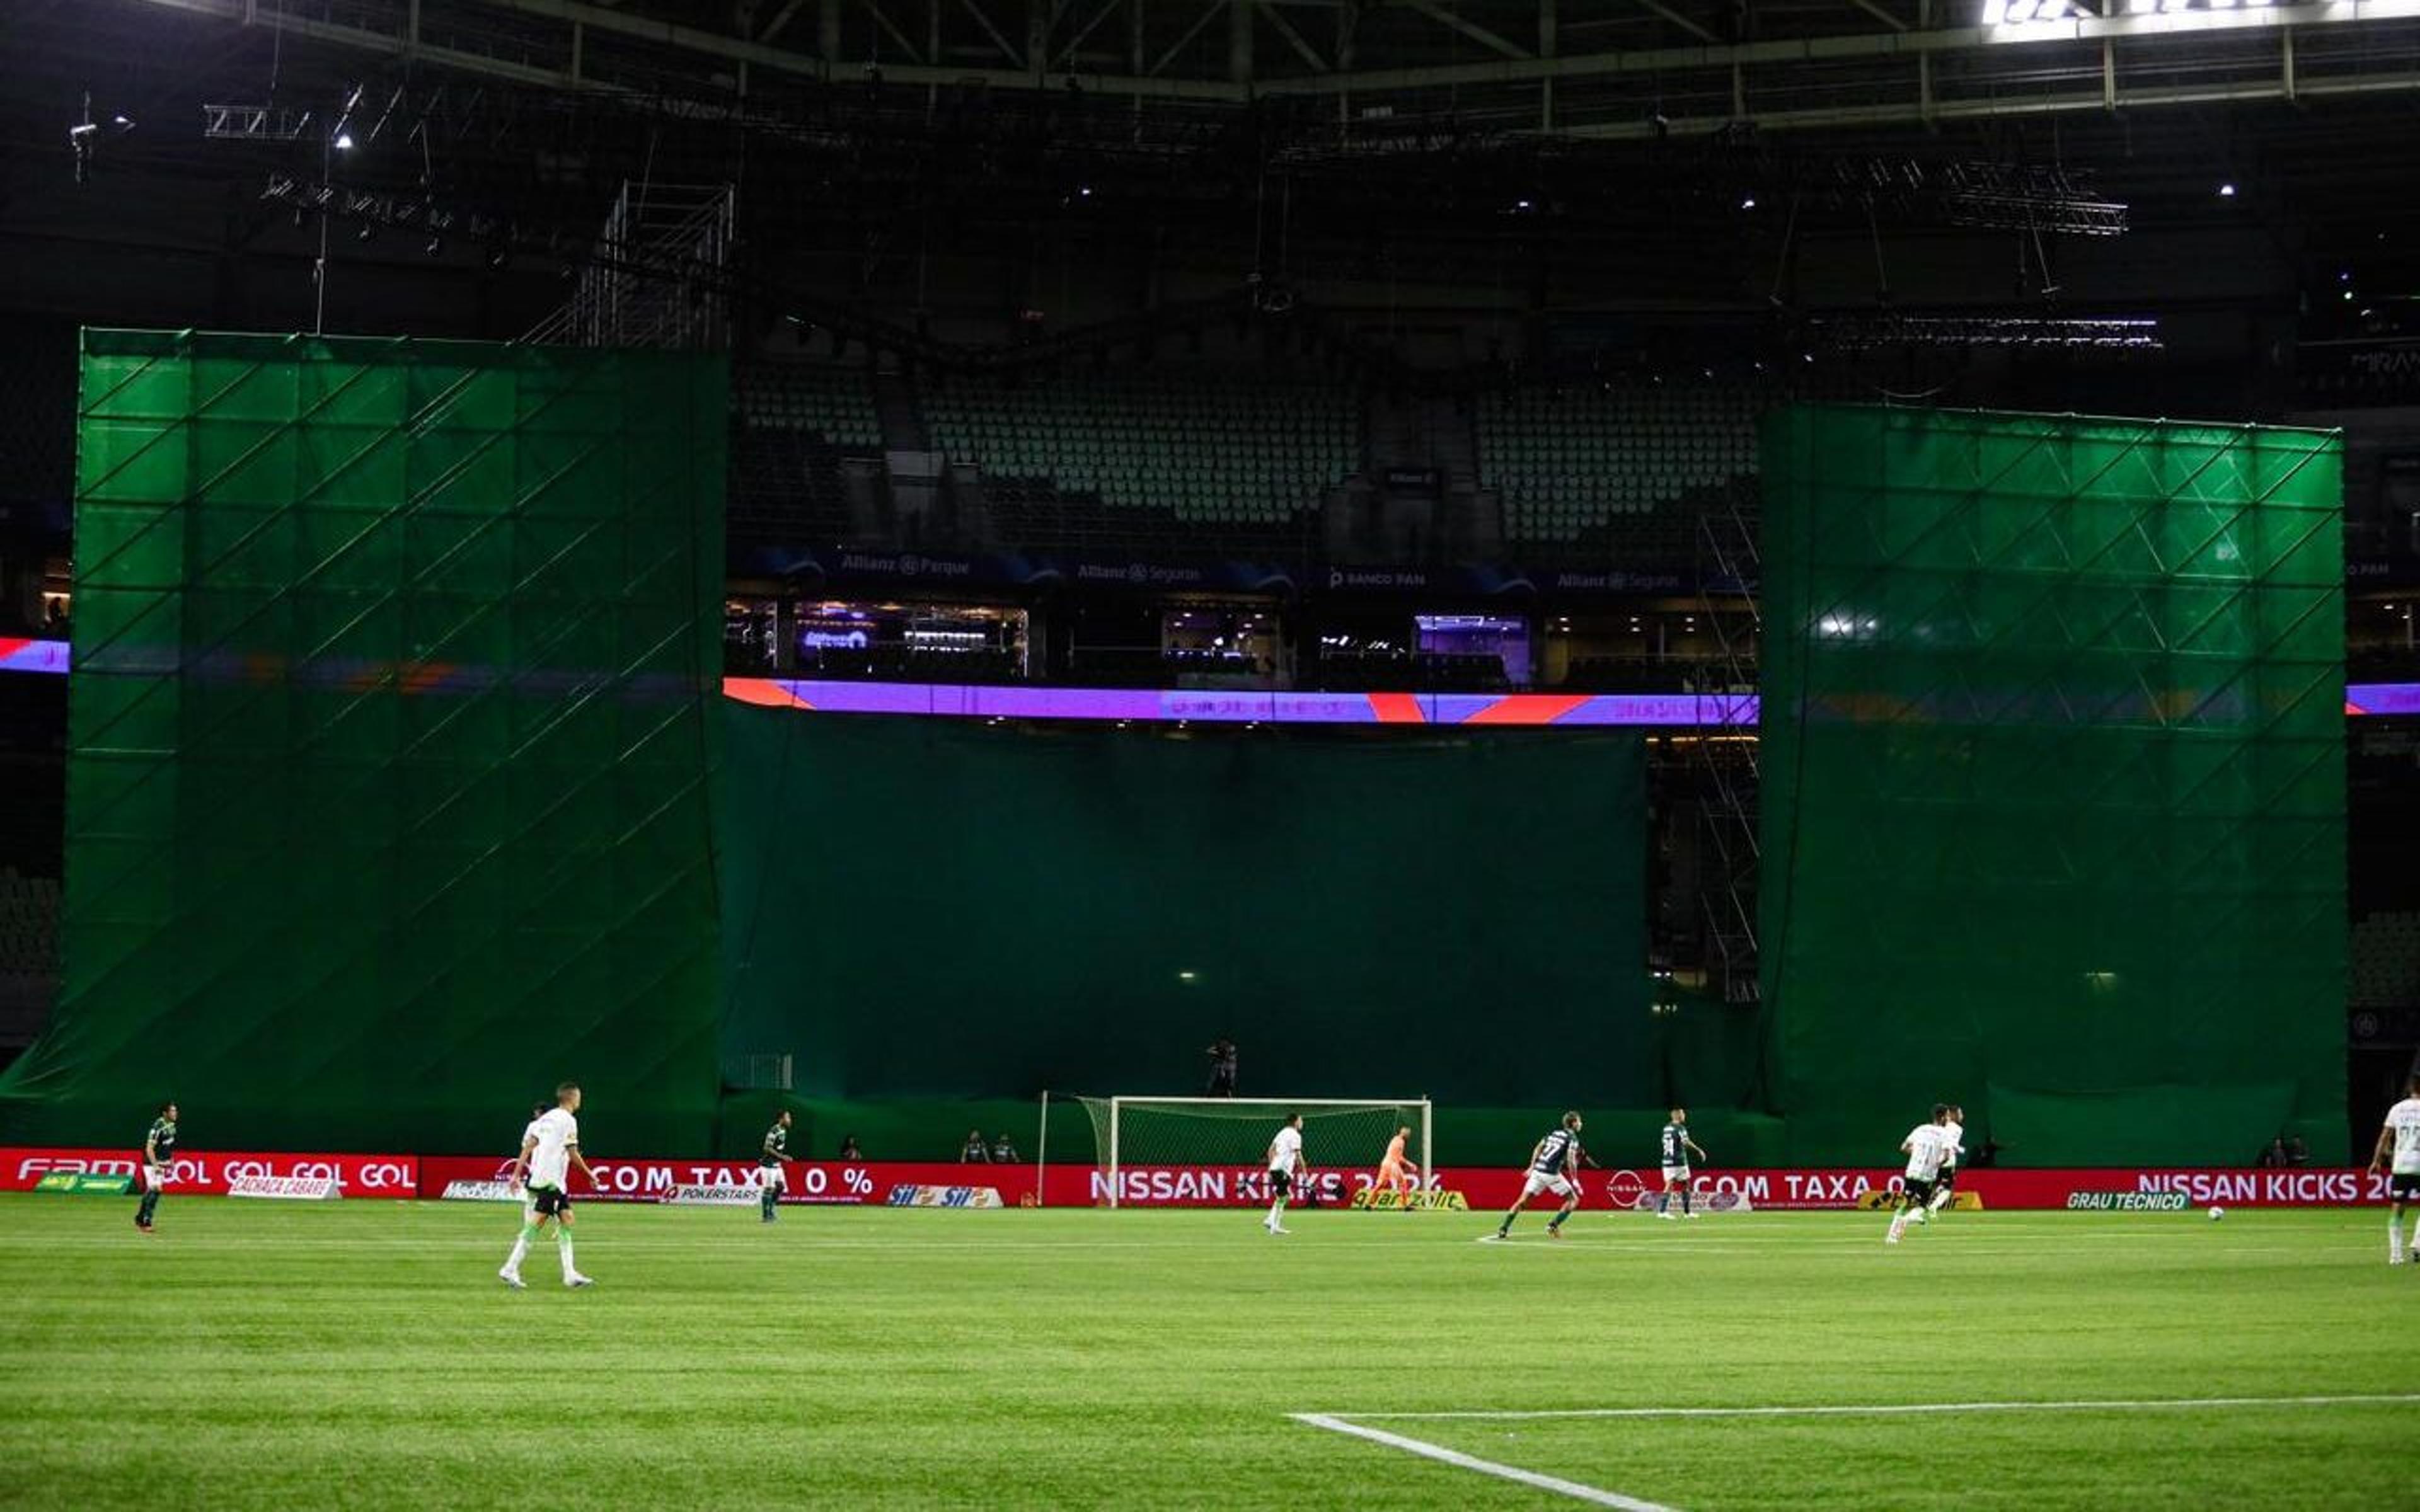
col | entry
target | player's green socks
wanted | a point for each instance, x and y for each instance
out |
(767, 1200)
(1684, 1200)
(562, 1247)
(520, 1246)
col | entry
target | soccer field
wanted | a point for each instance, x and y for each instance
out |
(363, 1354)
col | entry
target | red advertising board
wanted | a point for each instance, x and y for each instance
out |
(206, 1172)
(2308, 1186)
(832, 1183)
(856, 1184)
(1496, 1187)
(1483, 1187)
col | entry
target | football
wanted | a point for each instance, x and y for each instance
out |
(2216, 1213)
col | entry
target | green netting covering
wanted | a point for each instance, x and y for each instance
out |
(389, 742)
(2054, 784)
(919, 907)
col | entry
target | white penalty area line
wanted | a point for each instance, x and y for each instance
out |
(1598, 1496)
(1577, 1492)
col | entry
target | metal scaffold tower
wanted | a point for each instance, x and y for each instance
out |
(658, 275)
(1728, 570)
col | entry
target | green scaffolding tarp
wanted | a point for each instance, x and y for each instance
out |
(2053, 786)
(389, 744)
(923, 907)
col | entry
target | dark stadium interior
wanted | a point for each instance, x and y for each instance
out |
(1015, 673)
(1140, 357)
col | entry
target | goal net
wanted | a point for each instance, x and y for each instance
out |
(1137, 1137)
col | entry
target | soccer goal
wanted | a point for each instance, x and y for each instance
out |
(1133, 1133)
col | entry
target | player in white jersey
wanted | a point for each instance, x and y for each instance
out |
(1924, 1147)
(1285, 1169)
(2399, 1142)
(549, 1151)
(529, 1134)
(1953, 1149)
(1554, 1166)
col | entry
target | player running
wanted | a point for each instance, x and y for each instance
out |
(1924, 1145)
(548, 1151)
(1398, 1172)
(1285, 1169)
(2402, 1132)
(1678, 1148)
(770, 1180)
(1953, 1148)
(159, 1159)
(1554, 1166)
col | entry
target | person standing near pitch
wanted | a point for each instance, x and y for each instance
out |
(158, 1158)
(1953, 1148)
(1554, 1166)
(1678, 1148)
(2400, 1141)
(1923, 1146)
(769, 1178)
(1285, 1168)
(549, 1151)
(1398, 1171)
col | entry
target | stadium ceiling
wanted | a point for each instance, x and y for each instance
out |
(1607, 69)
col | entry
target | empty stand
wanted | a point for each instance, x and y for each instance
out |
(1102, 453)
(2386, 961)
(1569, 464)
(792, 426)
(29, 954)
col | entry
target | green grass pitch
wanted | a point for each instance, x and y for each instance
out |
(263, 1354)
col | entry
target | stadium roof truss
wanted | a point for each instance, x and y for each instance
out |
(1605, 68)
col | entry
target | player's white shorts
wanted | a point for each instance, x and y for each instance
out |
(1540, 1181)
(156, 1177)
(1676, 1174)
(772, 1177)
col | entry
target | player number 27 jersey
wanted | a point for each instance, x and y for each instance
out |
(1554, 1151)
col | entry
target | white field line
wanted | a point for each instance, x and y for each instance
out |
(2153, 1404)
(1598, 1496)
(1594, 1495)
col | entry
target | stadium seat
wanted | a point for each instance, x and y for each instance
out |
(1217, 448)
(2386, 961)
(791, 425)
(1574, 462)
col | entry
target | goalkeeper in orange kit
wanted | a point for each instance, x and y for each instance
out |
(1399, 1173)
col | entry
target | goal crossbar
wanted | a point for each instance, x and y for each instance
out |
(1279, 1101)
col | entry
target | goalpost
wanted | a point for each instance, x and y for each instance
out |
(1140, 1132)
